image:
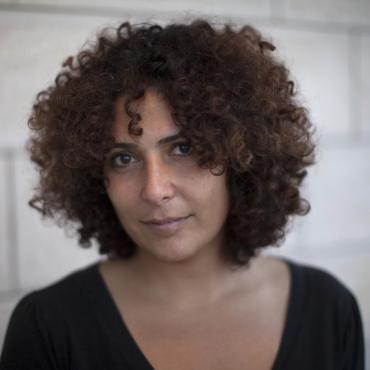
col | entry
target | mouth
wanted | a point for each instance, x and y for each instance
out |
(165, 221)
(167, 225)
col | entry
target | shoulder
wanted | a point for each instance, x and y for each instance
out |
(53, 299)
(323, 297)
(314, 290)
(327, 313)
(43, 322)
(319, 283)
(55, 308)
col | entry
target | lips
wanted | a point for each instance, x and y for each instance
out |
(164, 220)
(167, 227)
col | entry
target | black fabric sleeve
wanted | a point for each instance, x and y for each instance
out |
(27, 343)
(353, 341)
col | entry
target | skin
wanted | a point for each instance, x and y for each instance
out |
(158, 181)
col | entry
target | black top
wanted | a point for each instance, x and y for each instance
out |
(75, 324)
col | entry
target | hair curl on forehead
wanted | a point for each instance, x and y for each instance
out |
(229, 95)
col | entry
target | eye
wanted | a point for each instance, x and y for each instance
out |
(184, 148)
(125, 159)
(121, 159)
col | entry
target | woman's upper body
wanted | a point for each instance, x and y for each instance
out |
(180, 150)
(295, 316)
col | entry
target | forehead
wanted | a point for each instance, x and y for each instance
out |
(156, 119)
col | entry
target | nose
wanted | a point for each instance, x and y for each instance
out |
(157, 185)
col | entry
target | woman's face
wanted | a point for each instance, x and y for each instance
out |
(154, 177)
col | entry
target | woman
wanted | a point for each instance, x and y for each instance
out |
(180, 150)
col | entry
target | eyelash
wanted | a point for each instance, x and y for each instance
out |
(117, 155)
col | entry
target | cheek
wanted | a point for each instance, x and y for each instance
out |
(122, 198)
(220, 196)
(210, 194)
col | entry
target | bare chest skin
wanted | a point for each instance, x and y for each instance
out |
(243, 332)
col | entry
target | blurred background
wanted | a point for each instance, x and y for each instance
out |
(326, 45)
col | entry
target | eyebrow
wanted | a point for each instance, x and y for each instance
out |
(164, 140)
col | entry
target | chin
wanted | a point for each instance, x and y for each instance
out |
(172, 254)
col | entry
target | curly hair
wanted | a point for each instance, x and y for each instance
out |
(230, 96)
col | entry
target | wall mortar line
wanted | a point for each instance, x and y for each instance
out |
(354, 76)
(11, 222)
(132, 12)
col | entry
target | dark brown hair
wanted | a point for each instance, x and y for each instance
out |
(231, 97)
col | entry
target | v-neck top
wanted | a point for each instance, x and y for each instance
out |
(75, 324)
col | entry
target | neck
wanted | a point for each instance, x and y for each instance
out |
(195, 282)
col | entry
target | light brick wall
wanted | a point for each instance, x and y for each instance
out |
(329, 58)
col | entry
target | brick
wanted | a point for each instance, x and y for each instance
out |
(318, 63)
(339, 11)
(45, 251)
(339, 196)
(32, 49)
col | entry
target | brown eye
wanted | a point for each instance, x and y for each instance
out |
(121, 160)
(184, 148)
